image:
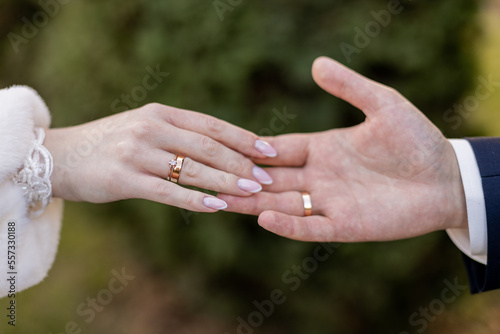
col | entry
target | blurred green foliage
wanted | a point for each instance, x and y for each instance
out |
(245, 68)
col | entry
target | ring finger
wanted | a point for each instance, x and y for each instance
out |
(199, 175)
(290, 203)
(211, 153)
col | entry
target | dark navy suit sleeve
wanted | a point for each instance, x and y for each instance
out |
(487, 277)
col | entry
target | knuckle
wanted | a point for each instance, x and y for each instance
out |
(213, 125)
(142, 129)
(173, 116)
(247, 145)
(148, 110)
(154, 107)
(223, 180)
(240, 165)
(192, 199)
(127, 151)
(191, 169)
(162, 189)
(210, 146)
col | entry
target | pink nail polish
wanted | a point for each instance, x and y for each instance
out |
(249, 185)
(214, 203)
(261, 175)
(266, 149)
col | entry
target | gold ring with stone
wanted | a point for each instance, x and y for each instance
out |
(175, 168)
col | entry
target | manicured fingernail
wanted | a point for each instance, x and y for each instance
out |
(214, 203)
(266, 149)
(261, 175)
(249, 185)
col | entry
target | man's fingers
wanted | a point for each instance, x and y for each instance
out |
(285, 179)
(361, 92)
(288, 202)
(292, 150)
(312, 228)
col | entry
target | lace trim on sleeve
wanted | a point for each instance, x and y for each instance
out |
(34, 176)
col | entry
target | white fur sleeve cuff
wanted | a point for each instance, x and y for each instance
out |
(35, 239)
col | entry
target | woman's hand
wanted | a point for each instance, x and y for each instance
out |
(127, 155)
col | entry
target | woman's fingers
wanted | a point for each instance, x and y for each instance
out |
(196, 174)
(162, 191)
(230, 135)
(148, 134)
(212, 153)
(199, 175)
(313, 228)
(290, 203)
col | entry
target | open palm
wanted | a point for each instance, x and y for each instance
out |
(393, 176)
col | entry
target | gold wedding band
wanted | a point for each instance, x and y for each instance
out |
(175, 168)
(306, 198)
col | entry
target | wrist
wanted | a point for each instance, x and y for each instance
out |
(54, 142)
(456, 216)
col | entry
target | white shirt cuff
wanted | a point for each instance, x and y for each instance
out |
(472, 241)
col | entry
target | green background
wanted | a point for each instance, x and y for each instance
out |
(197, 273)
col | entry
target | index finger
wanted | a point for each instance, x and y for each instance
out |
(292, 150)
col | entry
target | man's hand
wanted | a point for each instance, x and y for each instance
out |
(394, 176)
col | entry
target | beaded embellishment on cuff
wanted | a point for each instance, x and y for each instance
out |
(34, 176)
